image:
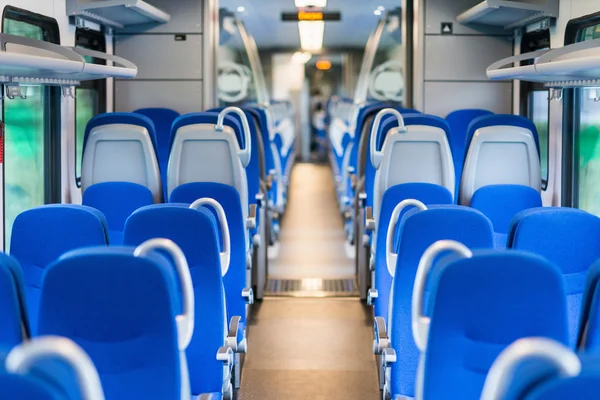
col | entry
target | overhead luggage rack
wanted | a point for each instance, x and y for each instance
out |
(117, 13)
(509, 14)
(25, 61)
(575, 65)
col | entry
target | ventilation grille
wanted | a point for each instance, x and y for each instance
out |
(312, 287)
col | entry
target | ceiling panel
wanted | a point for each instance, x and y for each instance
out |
(263, 20)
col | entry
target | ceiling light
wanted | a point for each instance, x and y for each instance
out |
(301, 57)
(377, 12)
(311, 3)
(241, 9)
(380, 8)
(323, 65)
(311, 35)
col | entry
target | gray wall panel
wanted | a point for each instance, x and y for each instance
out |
(438, 11)
(442, 98)
(463, 57)
(186, 16)
(182, 96)
(162, 57)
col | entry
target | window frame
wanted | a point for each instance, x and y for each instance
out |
(532, 41)
(571, 110)
(52, 109)
(98, 40)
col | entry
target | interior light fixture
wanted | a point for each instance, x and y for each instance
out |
(377, 12)
(380, 8)
(311, 3)
(323, 65)
(241, 9)
(311, 35)
(301, 57)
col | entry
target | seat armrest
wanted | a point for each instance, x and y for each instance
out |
(234, 326)
(251, 221)
(388, 356)
(369, 220)
(260, 199)
(248, 294)
(362, 199)
(225, 354)
(372, 295)
(382, 340)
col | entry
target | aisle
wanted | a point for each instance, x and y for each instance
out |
(310, 348)
(312, 241)
(315, 349)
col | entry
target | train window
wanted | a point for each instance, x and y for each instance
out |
(90, 96)
(586, 138)
(534, 98)
(31, 143)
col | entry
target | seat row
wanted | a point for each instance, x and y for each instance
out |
(455, 302)
(154, 326)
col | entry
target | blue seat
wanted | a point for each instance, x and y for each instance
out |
(500, 203)
(13, 306)
(163, 119)
(480, 303)
(117, 201)
(566, 237)
(459, 121)
(121, 147)
(427, 194)
(588, 338)
(416, 232)
(194, 231)
(121, 306)
(48, 368)
(540, 368)
(42, 234)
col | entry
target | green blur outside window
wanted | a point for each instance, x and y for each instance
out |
(587, 138)
(25, 129)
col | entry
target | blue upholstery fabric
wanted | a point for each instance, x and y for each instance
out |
(425, 192)
(228, 197)
(500, 203)
(459, 121)
(13, 307)
(122, 118)
(566, 237)
(13, 386)
(132, 339)
(500, 120)
(478, 307)
(163, 119)
(417, 231)
(194, 232)
(117, 201)
(263, 130)
(208, 118)
(42, 234)
(589, 322)
(584, 386)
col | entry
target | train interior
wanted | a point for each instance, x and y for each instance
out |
(300, 199)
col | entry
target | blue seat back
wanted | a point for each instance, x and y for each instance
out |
(500, 203)
(13, 307)
(459, 121)
(13, 386)
(117, 201)
(566, 237)
(428, 194)
(195, 233)
(163, 119)
(584, 386)
(120, 309)
(479, 306)
(588, 338)
(417, 231)
(42, 234)
(235, 278)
